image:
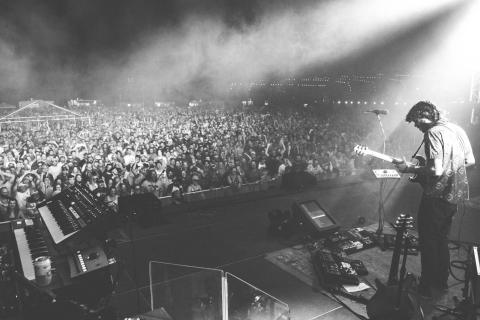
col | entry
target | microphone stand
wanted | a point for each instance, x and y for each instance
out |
(381, 209)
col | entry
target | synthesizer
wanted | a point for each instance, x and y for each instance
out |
(88, 260)
(71, 211)
(31, 244)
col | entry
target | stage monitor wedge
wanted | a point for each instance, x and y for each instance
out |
(314, 218)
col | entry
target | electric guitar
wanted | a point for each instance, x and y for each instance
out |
(397, 300)
(416, 161)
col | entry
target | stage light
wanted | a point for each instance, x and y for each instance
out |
(455, 57)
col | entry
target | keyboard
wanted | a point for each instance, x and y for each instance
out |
(58, 222)
(71, 211)
(30, 244)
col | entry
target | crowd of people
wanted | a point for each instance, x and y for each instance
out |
(168, 152)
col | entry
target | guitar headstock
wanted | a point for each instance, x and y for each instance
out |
(361, 150)
(403, 222)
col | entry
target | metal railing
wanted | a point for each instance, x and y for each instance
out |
(251, 187)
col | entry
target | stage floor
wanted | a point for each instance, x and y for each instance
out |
(234, 238)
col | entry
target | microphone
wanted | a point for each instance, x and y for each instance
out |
(376, 111)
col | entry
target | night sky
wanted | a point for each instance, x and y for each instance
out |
(60, 42)
(73, 31)
(58, 49)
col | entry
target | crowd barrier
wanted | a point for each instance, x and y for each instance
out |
(252, 187)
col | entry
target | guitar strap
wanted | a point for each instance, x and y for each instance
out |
(451, 130)
(418, 149)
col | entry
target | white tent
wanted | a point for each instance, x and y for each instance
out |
(15, 116)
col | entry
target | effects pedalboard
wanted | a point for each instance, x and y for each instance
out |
(350, 241)
(332, 269)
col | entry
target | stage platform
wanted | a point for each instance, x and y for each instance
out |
(234, 238)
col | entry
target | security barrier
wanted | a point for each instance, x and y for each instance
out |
(252, 187)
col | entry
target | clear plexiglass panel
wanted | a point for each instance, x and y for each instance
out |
(181, 292)
(247, 302)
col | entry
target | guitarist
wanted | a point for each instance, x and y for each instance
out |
(448, 152)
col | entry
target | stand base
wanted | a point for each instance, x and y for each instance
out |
(463, 310)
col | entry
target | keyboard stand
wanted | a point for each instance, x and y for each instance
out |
(382, 175)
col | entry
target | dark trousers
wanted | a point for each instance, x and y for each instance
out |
(434, 221)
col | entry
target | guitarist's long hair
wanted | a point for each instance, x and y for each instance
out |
(423, 109)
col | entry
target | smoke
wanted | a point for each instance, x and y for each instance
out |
(207, 51)
(125, 50)
(14, 70)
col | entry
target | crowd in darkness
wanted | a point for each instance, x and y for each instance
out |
(168, 152)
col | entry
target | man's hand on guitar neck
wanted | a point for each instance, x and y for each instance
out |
(403, 166)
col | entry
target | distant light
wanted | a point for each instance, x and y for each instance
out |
(339, 101)
(358, 102)
(374, 102)
(346, 102)
(396, 102)
(351, 102)
(382, 103)
(365, 102)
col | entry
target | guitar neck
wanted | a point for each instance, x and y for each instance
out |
(384, 157)
(393, 274)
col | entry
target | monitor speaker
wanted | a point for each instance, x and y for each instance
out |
(144, 208)
(314, 218)
(465, 224)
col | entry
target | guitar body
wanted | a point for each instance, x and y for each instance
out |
(418, 161)
(382, 306)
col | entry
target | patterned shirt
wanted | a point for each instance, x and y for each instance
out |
(448, 142)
